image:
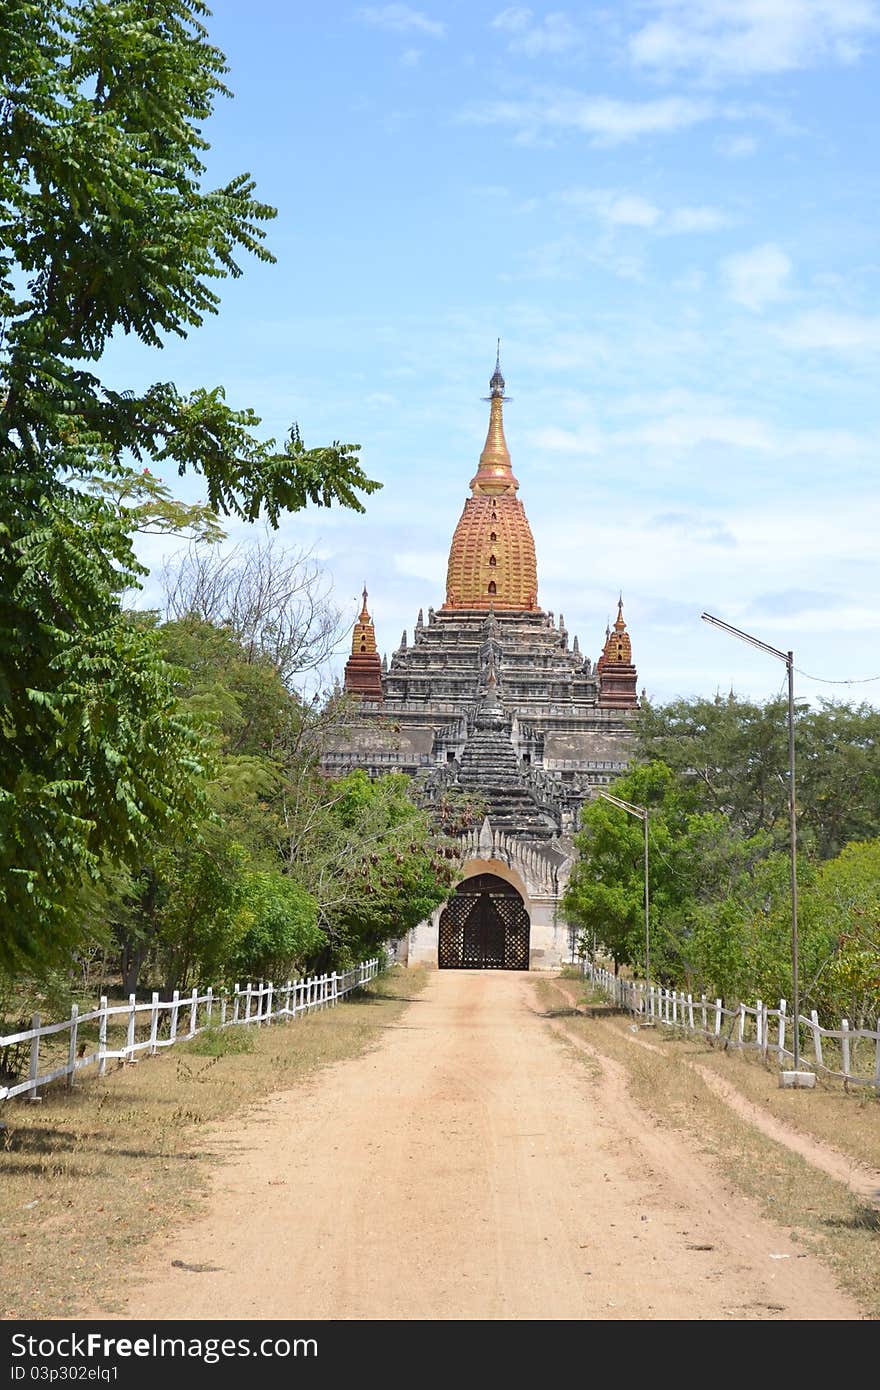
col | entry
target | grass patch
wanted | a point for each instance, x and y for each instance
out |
(91, 1174)
(822, 1214)
(220, 1042)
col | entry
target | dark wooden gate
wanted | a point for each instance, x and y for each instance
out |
(485, 926)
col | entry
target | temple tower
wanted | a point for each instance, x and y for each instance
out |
(617, 674)
(363, 670)
(492, 557)
(491, 701)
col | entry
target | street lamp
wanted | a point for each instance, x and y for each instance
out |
(797, 1077)
(640, 813)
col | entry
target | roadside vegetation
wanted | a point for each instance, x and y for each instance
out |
(713, 775)
(663, 1076)
(163, 817)
(92, 1174)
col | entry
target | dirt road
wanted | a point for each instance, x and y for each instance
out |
(472, 1167)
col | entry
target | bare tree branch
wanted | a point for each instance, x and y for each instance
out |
(275, 599)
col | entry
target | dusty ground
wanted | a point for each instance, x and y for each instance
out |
(469, 1167)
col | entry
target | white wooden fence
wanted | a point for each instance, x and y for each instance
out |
(162, 1023)
(758, 1027)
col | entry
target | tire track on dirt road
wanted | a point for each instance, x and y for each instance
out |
(467, 1169)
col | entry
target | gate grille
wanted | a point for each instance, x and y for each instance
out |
(485, 926)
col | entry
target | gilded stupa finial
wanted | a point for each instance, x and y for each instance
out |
(363, 637)
(496, 381)
(495, 473)
(619, 624)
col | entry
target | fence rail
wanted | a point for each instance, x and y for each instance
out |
(147, 1027)
(757, 1027)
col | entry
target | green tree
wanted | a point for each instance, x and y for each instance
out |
(843, 913)
(731, 756)
(282, 932)
(106, 227)
(698, 860)
(605, 894)
(376, 862)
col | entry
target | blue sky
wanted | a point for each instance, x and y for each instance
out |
(668, 211)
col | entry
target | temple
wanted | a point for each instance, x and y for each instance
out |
(491, 701)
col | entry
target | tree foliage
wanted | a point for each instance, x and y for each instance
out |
(719, 855)
(106, 227)
(732, 757)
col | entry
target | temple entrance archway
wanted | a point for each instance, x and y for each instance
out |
(484, 926)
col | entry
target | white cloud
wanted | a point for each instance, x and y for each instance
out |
(605, 120)
(400, 19)
(553, 440)
(410, 58)
(617, 209)
(758, 277)
(746, 38)
(429, 565)
(554, 34)
(833, 332)
(620, 209)
(689, 428)
(736, 146)
(695, 219)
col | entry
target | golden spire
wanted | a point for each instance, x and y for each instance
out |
(620, 625)
(618, 647)
(363, 638)
(492, 557)
(495, 473)
(617, 674)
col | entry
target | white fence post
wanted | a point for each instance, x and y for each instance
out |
(877, 1060)
(844, 1045)
(302, 995)
(783, 1018)
(175, 1011)
(71, 1052)
(817, 1038)
(34, 1068)
(759, 1025)
(703, 1010)
(193, 1011)
(718, 1018)
(102, 1037)
(235, 1000)
(691, 1012)
(154, 1023)
(132, 1020)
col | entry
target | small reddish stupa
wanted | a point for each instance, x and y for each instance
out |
(363, 670)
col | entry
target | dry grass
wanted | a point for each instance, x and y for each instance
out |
(89, 1175)
(820, 1212)
(847, 1120)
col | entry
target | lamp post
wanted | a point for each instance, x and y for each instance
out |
(788, 659)
(640, 813)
